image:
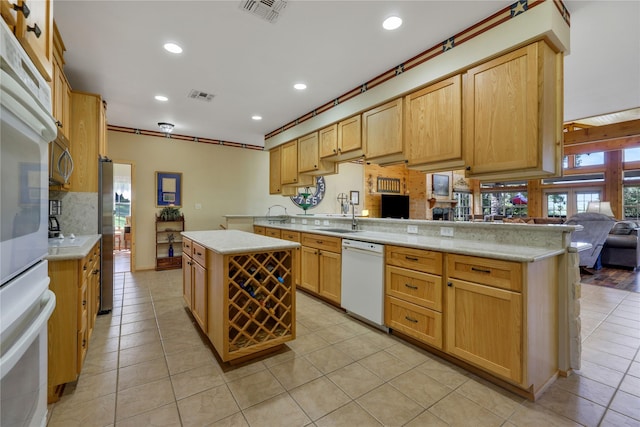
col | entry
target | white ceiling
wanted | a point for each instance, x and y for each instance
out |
(114, 48)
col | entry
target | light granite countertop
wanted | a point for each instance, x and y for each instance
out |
(236, 241)
(517, 251)
(67, 248)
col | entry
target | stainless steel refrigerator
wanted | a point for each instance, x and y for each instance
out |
(105, 227)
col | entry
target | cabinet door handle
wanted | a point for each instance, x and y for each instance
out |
(410, 258)
(84, 302)
(480, 270)
(410, 319)
(334, 150)
(199, 253)
(96, 271)
(35, 29)
(449, 284)
(58, 123)
(410, 286)
(24, 9)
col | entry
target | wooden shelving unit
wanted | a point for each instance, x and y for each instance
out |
(164, 229)
(252, 303)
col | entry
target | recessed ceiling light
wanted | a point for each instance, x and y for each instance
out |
(300, 86)
(173, 48)
(256, 117)
(391, 23)
(161, 98)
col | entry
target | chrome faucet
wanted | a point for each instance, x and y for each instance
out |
(354, 221)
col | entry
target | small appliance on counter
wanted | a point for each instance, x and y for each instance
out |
(55, 208)
(54, 227)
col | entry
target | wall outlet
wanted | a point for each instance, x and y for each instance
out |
(316, 222)
(412, 229)
(304, 221)
(325, 222)
(198, 206)
(446, 231)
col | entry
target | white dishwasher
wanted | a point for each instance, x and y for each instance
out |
(363, 281)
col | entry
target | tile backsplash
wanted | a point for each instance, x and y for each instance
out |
(79, 212)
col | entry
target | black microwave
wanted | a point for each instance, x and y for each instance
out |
(60, 162)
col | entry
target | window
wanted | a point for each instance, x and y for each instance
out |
(631, 202)
(631, 155)
(591, 159)
(462, 210)
(505, 203)
(557, 205)
(122, 209)
(566, 202)
(507, 199)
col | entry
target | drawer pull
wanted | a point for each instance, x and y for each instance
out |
(320, 241)
(410, 286)
(84, 302)
(480, 270)
(410, 258)
(24, 9)
(199, 254)
(84, 267)
(35, 29)
(410, 319)
(449, 284)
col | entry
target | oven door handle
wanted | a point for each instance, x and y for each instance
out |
(11, 356)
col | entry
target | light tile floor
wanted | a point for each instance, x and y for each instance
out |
(147, 365)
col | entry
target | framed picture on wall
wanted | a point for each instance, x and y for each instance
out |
(355, 197)
(441, 185)
(168, 189)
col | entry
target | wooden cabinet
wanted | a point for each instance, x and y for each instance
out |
(87, 136)
(413, 293)
(76, 284)
(321, 266)
(502, 317)
(60, 89)
(258, 229)
(433, 127)
(247, 301)
(272, 232)
(34, 32)
(309, 161)
(169, 244)
(195, 280)
(289, 173)
(275, 162)
(382, 133)
(328, 141)
(294, 236)
(342, 141)
(513, 115)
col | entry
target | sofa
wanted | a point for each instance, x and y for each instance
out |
(596, 228)
(621, 246)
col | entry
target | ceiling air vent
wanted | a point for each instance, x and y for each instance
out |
(200, 95)
(269, 10)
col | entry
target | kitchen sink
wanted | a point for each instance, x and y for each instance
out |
(338, 230)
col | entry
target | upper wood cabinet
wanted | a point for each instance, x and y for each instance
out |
(309, 161)
(513, 115)
(275, 187)
(87, 134)
(342, 141)
(34, 32)
(382, 133)
(433, 127)
(328, 141)
(60, 89)
(289, 163)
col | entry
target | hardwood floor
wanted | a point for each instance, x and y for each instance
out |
(616, 278)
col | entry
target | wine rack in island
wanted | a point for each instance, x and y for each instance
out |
(169, 243)
(244, 302)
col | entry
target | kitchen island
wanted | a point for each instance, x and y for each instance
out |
(240, 289)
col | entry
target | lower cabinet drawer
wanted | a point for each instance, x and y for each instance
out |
(416, 287)
(417, 322)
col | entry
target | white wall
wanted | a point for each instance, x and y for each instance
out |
(223, 180)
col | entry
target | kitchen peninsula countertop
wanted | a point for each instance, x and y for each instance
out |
(511, 251)
(236, 241)
(67, 248)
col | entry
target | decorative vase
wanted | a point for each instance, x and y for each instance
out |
(170, 249)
